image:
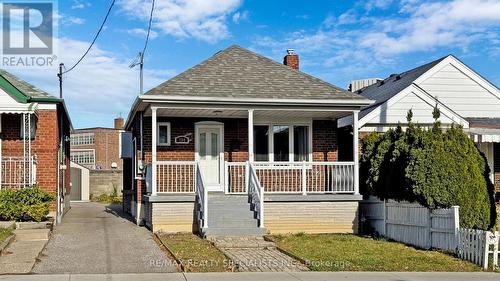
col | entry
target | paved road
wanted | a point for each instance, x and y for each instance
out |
(95, 238)
(268, 276)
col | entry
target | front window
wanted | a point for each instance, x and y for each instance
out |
(163, 132)
(301, 143)
(28, 126)
(285, 143)
(281, 136)
(261, 143)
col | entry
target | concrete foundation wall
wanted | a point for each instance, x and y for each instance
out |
(104, 182)
(311, 217)
(171, 217)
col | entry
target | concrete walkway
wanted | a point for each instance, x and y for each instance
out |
(96, 238)
(254, 254)
(269, 276)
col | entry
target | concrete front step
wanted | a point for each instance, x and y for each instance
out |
(233, 231)
(32, 234)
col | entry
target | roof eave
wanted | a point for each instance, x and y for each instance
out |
(214, 100)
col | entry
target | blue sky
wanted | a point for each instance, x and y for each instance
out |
(337, 41)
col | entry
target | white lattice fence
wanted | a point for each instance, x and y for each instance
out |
(476, 246)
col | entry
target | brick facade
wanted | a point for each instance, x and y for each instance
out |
(45, 146)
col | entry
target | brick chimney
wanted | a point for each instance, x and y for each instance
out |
(118, 123)
(291, 59)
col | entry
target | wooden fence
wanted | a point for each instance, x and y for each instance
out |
(413, 224)
(419, 226)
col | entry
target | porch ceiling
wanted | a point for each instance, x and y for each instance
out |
(243, 113)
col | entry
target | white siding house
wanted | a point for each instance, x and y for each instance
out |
(463, 97)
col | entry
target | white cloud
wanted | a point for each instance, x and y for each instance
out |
(342, 53)
(240, 16)
(142, 32)
(433, 25)
(67, 19)
(205, 20)
(99, 88)
(78, 4)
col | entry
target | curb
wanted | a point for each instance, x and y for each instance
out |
(169, 252)
(6, 243)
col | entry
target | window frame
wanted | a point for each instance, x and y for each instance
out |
(291, 139)
(80, 152)
(169, 134)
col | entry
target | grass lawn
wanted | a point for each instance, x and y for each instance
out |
(337, 252)
(195, 253)
(108, 199)
(4, 233)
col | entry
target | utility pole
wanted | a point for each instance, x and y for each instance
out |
(60, 75)
(139, 61)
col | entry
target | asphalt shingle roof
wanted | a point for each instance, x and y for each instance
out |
(392, 85)
(23, 86)
(239, 73)
(481, 122)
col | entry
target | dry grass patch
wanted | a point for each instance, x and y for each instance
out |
(337, 252)
(196, 254)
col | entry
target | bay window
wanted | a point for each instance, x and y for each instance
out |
(282, 142)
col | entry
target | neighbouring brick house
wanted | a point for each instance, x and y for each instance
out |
(97, 149)
(34, 141)
(240, 128)
(462, 95)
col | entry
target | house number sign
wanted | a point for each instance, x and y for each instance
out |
(184, 139)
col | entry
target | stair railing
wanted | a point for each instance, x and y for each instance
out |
(256, 193)
(201, 198)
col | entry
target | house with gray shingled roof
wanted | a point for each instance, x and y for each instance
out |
(462, 95)
(34, 147)
(242, 145)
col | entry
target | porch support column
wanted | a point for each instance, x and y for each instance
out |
(153, 153)
(250, 136)
(355, 143)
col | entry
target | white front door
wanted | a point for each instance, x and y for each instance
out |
(210, 154)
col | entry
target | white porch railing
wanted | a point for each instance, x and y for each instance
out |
(275, 177)
(256, 194)
(306, 177)
(17, 171)
(201, 199)
(236, 176)
(175, 176)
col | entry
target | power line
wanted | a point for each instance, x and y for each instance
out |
(149, 27)
(95, 38)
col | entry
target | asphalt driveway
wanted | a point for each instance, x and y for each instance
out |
(98, 238)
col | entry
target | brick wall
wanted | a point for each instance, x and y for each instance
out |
(325, 145)
(45, 146)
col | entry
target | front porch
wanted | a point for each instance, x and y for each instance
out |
(278, 159)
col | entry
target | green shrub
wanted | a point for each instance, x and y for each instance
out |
(436, 168)
(27, 204)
